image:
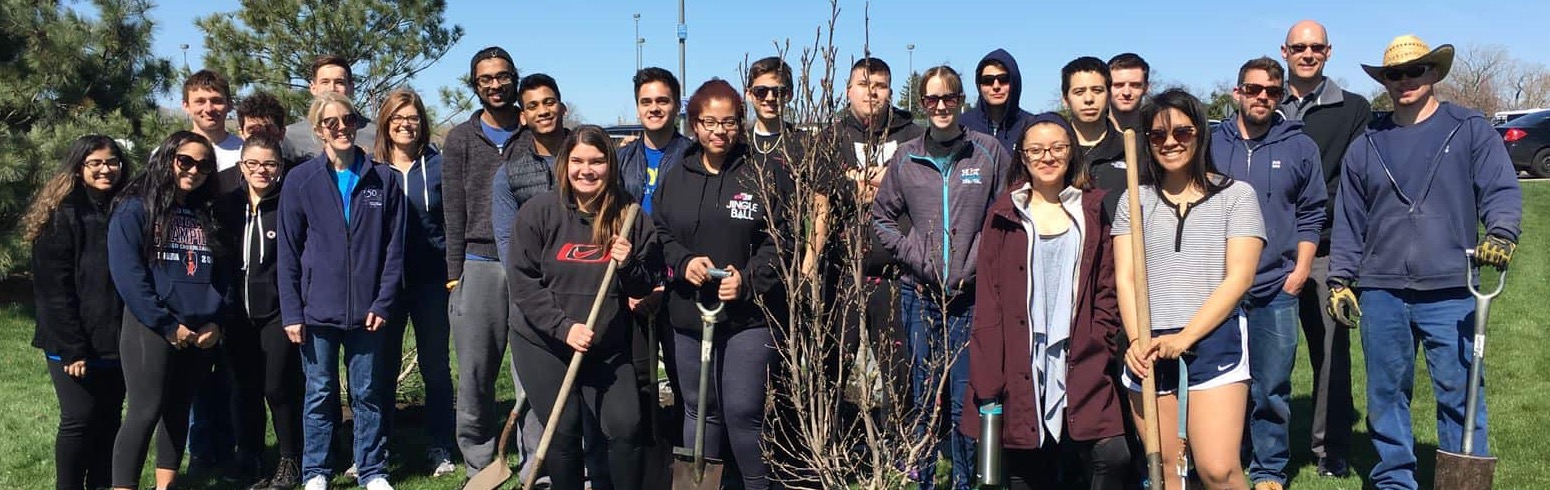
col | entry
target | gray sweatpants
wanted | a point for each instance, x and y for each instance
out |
(479, 310)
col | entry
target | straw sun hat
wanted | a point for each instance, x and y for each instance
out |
(1409, 50)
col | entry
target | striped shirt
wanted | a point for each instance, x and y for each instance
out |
(1186, 258)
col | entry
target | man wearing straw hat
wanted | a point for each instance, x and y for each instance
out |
(1413, 189)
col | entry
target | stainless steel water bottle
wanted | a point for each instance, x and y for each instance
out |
(989, 464)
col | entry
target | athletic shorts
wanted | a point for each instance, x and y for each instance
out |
(1219, 359)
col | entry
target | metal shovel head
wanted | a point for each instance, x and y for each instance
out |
(490, 478)
(684, 474)
(1463, 471)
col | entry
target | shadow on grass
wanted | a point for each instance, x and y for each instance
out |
(1361, 456)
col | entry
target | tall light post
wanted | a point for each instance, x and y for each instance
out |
(184, 47)
(683, 36)
(911, 48)
(639, 42)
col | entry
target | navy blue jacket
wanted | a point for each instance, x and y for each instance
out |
(332, 272)
(632, 163)
(1410, 198)
(181, 284)
(1009, 130)
(425, 236)
(1284, 169)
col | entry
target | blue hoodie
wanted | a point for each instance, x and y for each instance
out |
(1411, 197)
(1284, 169)
(182, 284)
(425, 235)
(332, 271)
(1009, 130)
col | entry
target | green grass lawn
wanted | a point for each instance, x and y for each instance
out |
(1516, 372)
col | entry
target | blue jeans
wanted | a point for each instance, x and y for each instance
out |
(320, 362)
(929, 346)
(426, 305)
(1394, 323)
(1272, 353)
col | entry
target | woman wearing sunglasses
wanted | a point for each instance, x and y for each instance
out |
(340, 269)
(168, 268)
(1045, 319)
(943, 182)
(1204, 234)
(79, 312)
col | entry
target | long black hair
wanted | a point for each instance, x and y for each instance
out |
(1200, 165)
(157, 189)
(67, 178)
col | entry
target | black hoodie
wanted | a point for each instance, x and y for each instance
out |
(1009, 129)
(722, 216)
(79, 311)
(253, 233)
(858, 145)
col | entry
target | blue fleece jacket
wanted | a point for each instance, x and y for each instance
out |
(1014, 121)
(331, 272)
(425, 236)
(1410, 198)
(633, 168)
(181, 284)
(1284, 169)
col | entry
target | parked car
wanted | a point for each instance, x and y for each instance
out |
(621, 132)
(1528, 142)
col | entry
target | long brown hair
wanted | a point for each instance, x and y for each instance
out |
(395, 101)
(66, 178)
(612, 199)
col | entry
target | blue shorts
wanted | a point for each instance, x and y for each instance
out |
(1219, 359)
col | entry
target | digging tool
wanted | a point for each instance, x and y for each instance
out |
(497, 472)
(1151, 433)
(576, 357)
(697, 475)
(1465, 470)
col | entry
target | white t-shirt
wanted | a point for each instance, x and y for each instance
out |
(228, 152)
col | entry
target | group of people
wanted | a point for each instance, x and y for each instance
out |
(272, 252)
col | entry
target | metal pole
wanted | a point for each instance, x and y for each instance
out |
(911, 48)
(184, 47)
(637, 42)
(683, 36)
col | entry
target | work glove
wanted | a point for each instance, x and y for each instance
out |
(1494, 250)
(1342, 304)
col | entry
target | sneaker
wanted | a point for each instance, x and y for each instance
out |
(317, 483)
(378, 483)
(1334, 467)
(1268, 485)
(441, 462)
(351, 472)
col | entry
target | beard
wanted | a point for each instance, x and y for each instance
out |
(1250, 118)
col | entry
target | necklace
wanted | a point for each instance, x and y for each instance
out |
(779, 136)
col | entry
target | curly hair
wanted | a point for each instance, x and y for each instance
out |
(66, 178)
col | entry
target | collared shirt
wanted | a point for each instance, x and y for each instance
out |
(1293, 108)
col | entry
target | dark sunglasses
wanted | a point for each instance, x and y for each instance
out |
(1181, 134)
(1412, 71)
(186, 163)
(1298, 48)
(949, 100)
(1253, 90)
(763, 91)
(341, 122)
(988, 80)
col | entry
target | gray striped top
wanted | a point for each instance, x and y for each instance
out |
(1185, 263)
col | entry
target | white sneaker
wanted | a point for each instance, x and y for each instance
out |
(378, 483)
(441, 462)
(316, 483)
(351, 472)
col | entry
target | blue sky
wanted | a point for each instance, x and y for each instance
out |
(588, 45)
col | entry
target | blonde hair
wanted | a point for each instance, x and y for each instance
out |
(322, 101)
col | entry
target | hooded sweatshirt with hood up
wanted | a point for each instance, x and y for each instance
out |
(1014, 121)
(1284, 169)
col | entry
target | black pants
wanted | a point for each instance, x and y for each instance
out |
(1329, 354)
(160, 382)
(739, 382)
(605, 388)
(88, 421)
(267, 368)
(1102, 464)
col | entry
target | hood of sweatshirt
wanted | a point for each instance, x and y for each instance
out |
(1014, 108)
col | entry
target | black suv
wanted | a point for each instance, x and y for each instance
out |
(1528, 142)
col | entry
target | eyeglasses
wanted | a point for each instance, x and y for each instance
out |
(109, 163)
(1253, 90)
(711, 124)
(546, 102)
(989, 80)
(1298, 48)
(1412, 71)
(341, 122)
(186, 163)
(409, 119)
(1035, 153)
(1182, 134)
(501, 78)
(763, 91)
(256, 165)
(949, 100)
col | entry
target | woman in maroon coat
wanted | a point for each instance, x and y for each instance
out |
(1046, 319)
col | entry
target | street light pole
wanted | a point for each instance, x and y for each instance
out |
(184, 47)
(911, 48)
(638, 42)
(683, 36)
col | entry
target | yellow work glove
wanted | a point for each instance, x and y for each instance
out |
(1342, 304)
(1494, 251)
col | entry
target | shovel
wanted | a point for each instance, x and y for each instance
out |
(696, 474)
(1467, 471)
(496, 474)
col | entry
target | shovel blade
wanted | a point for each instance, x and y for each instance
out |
(1463, 471)
(489, 478)
(684, 477)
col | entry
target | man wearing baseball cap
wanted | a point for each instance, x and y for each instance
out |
(1432, 170)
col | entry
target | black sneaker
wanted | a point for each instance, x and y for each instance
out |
(1334, 468)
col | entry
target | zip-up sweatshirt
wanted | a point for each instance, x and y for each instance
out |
(469, 160)
(79, 312)
(723, 216)
(1284, 169)
(333, 271)
(1014, 121)
(553, 270)
(253, 231)
(183, 283)
(632, 162)
(425, 238)
(946, 199)
(1410, 198)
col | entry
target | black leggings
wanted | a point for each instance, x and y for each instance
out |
(1105, 461)
(88, 421)
(160, 382)
(267, 366)
(605, 387)
(739, 382)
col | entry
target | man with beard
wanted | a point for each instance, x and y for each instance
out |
(1084, 90)
(1130, 78)
(478, 302)
(998, 112)
(1333, 118)
(1259, 147)
(330, 73)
